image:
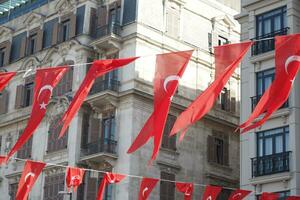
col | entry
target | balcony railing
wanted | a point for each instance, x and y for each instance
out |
(268, 44)
(255, 100)
(107, 84)
(109, 29)
(271, 164)
(102, 146)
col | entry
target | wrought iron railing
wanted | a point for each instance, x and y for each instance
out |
(271, 164)
(255, 100)
(107, 84)
(102, 146)
(267, 42)
(109, 29)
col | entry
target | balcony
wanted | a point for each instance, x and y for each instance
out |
(271, 164)
(107, 37)
(267, 42)
(255, 100)
(106, 146)
(107, 84)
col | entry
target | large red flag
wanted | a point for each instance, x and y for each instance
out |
(293, 198)
(98, 68)
(147, 185)
(109, 178)
(227, 58)
(211, 192)
(168, 71)
(45, 80)
(5, 77)
(269, 196)
(30, 174)
(239, 194)
(287, 62)
(187, 189)
(74, 177)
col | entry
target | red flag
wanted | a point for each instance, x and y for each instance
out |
(187, 189)
(5, 77)
(287, 60)
(74, 177)
(293, 198)
(269, 196)
(45, 80)
(168, 71)
(30, 174)
(228, 57)
(146, 187)
(109, 178)
(99, 68)
(211, 192)
(2, 159)
(239, 194)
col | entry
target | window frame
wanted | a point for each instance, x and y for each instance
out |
(56, 180)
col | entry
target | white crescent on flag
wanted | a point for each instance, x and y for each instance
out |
(45, 87)
(145, 190)
(169, 79)
(236, 195)
(110, 180)
(289, 60)
(209, 198)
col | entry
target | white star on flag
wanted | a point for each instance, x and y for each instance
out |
(43, 105)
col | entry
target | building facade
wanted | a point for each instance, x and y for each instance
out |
(39, 33)
(268, 154)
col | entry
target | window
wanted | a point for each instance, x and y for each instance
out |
(53, 184)
(65, 84)
(4, 99)
(24, 94)
(26, 149)
(54, 143)
(268, 25)
(2, 56)
(218, 148)
(65, 30)
(173, 21)
(272, 141)
(272, 21)
(28, 94)
(273, 154)
(169, 142)
(31, 46)
(167, 189)
(224, 99)
(13, 188)
(224, 194)
(222, 40)
(90, 187)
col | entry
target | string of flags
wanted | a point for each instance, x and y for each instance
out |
(168, 71)
(75, 176)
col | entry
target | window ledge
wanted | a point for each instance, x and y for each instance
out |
(225, 167)
(284, 176)
(262, 57)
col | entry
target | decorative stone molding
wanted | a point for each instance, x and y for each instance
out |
(223, 19)
(49, 55)
(30, 63)
(64, 48)
(57, 106)
(34, 18)
(66, 6)
(6, 32)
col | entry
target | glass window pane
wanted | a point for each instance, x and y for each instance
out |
(268, 146)
(287, 142)
(260, 148)
(267, 26)
(277, 23)
(279, 144)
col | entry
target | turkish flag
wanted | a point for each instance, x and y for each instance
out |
(169, 69)
(74, 177)
(239, 194)
(45, 80)
(269, 196)
(293, 198)
(287, 62)
(5, 77)
(211, 192)
(227, 58)
(98, 68)
(109, 178)
(30, 174)
(2, 159)
(147, 185)
(187, 189)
